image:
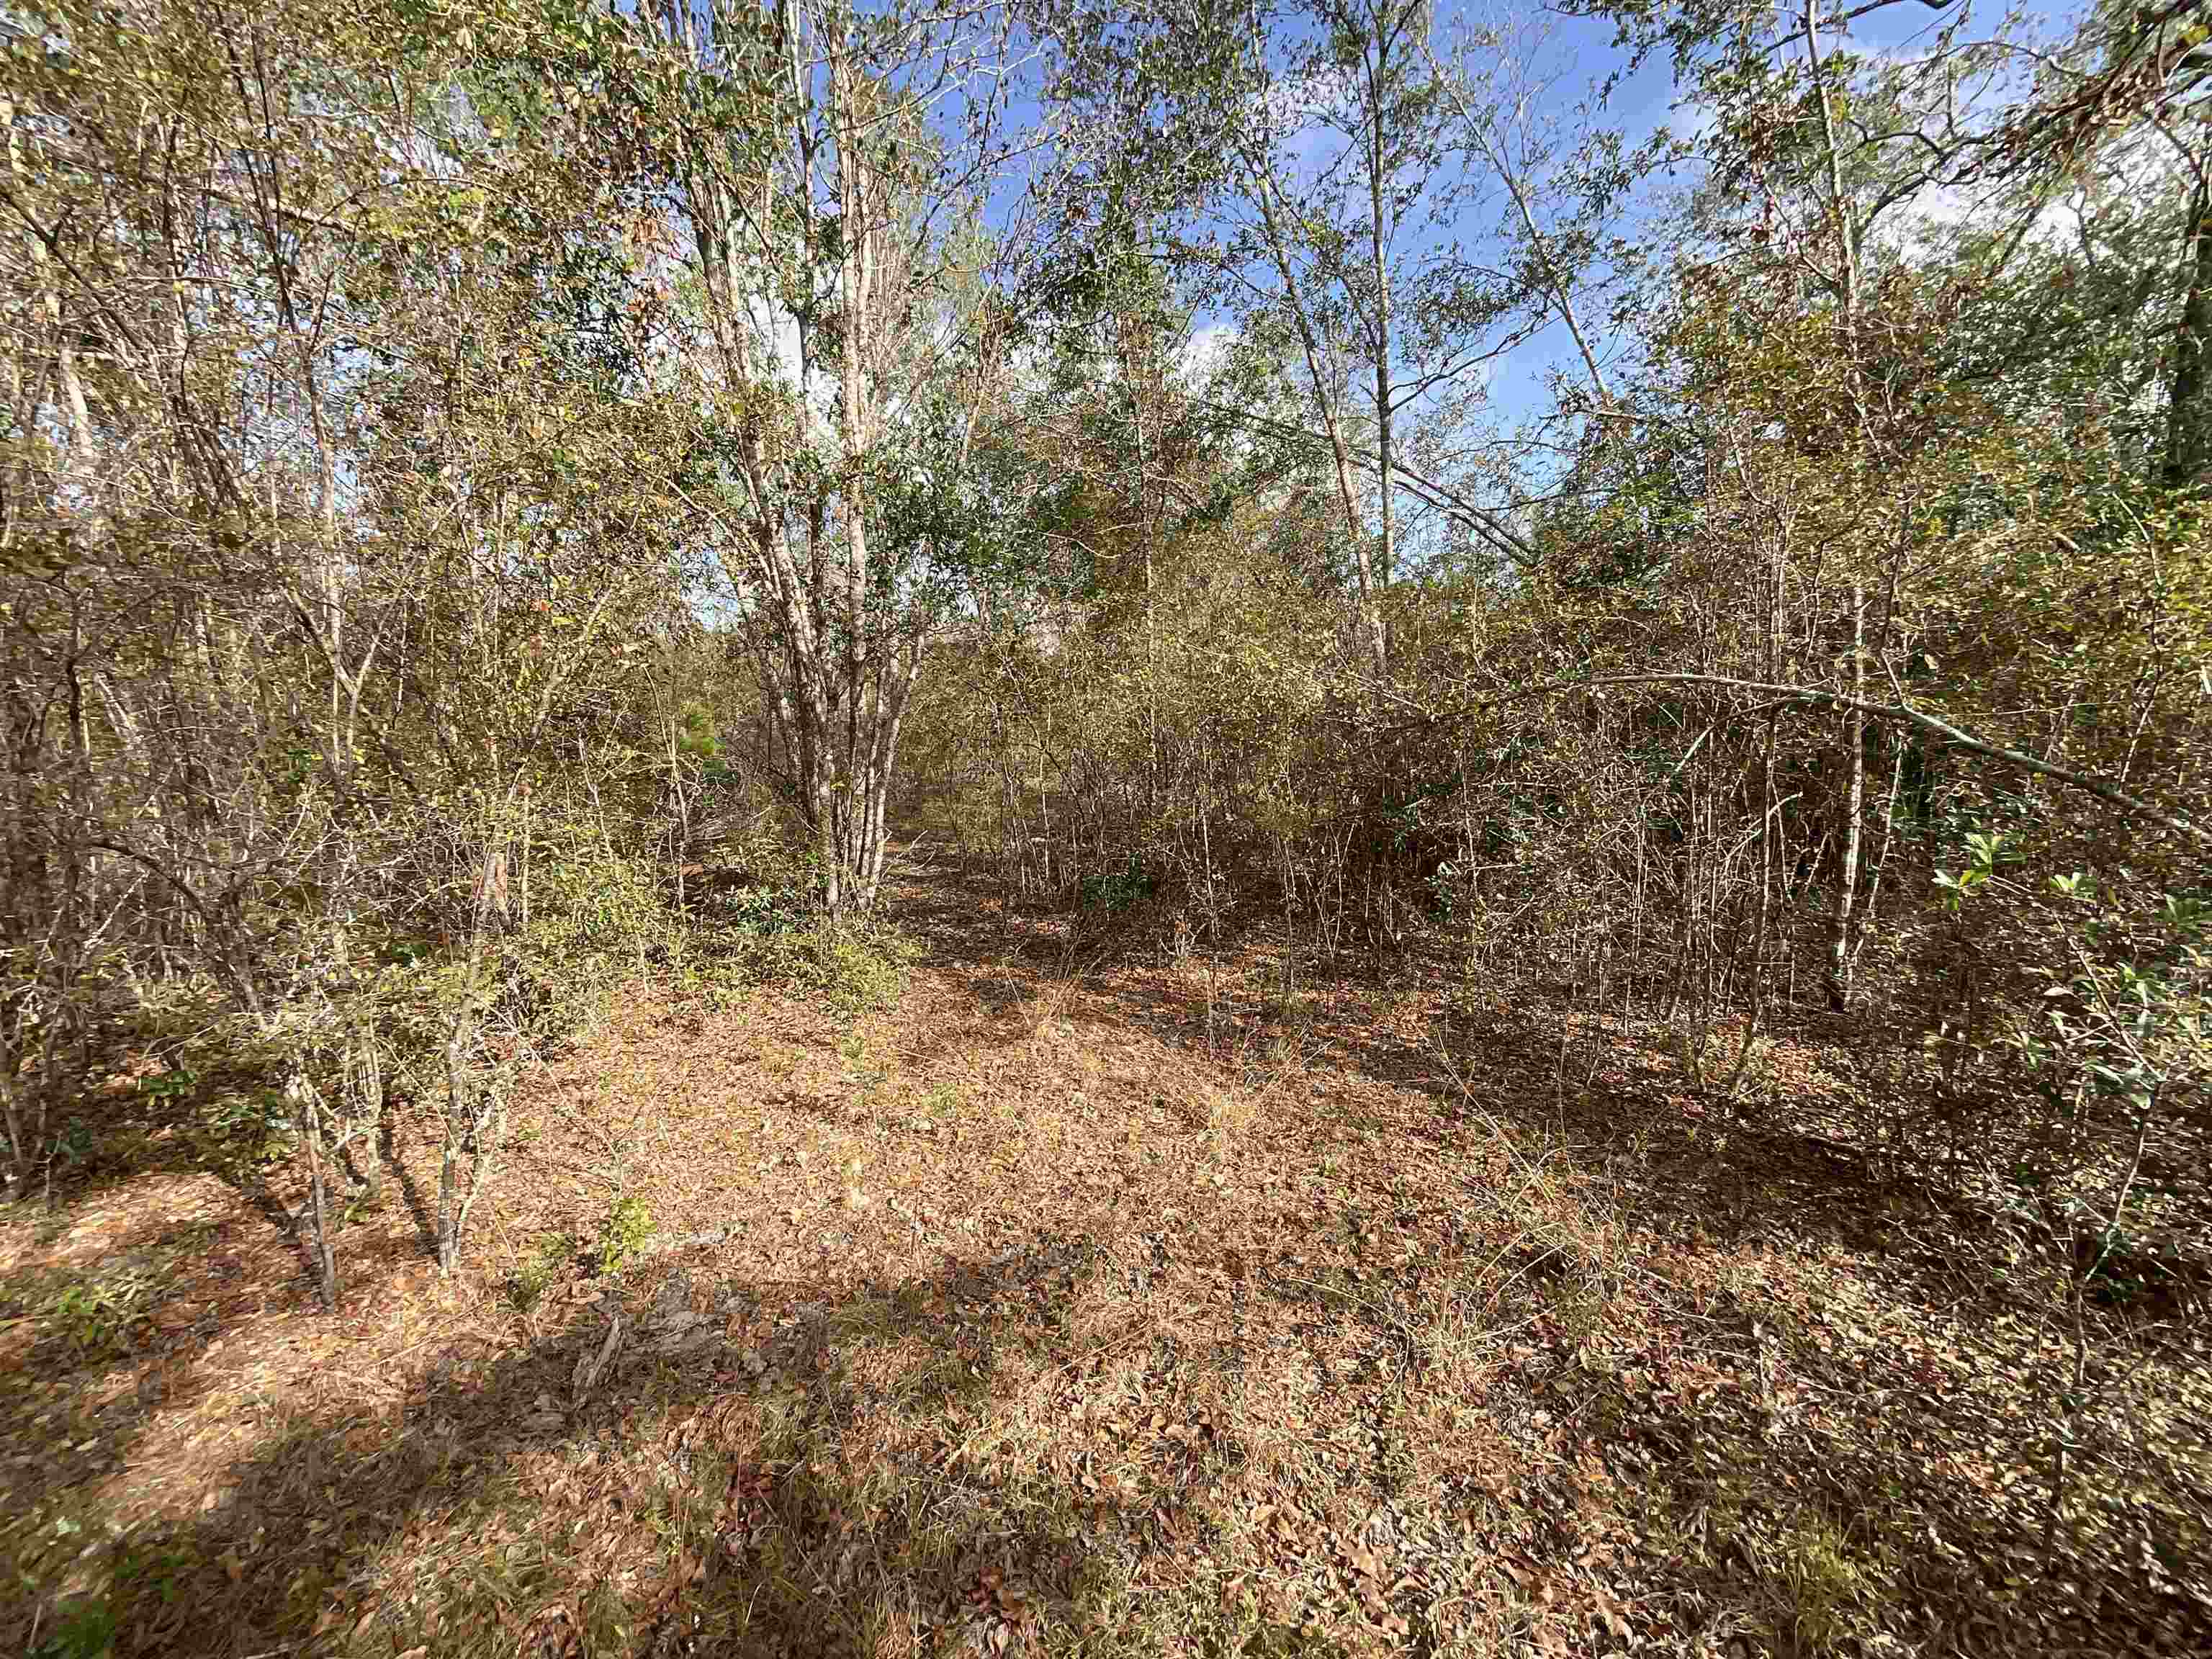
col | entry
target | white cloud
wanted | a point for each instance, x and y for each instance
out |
(1207, 348)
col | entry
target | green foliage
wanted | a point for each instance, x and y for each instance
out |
(697, 736)
(856, 967)
(762, 911)
(626, 1229)
(1986, 851)
(94, 1316)
(2118, 1050)
(1116, 890)
(245, 1129)
(598, 917)
(552, 1255)
(173, 1084)
(1822, 1588)
(85, 1627)
(771, 929)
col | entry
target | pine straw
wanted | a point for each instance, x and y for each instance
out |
(1153, 1308)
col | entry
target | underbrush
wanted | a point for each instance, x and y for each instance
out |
(292, 1105)
(856, 966)
(775, 937)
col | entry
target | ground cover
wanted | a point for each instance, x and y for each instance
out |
(1090, 1298)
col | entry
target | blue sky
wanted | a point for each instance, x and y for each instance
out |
(1639, 106)
(1576, 57)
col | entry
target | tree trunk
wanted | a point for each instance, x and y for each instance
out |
(2189, 422)
(310, 1102)
(1847, 287)
(852, 807)
(1378, 249)
(459, 1113)
(471, 1105)
(1279, 249)
(1847, 875)
(1137, 378)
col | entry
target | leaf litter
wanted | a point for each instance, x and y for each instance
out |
(1077, 1328)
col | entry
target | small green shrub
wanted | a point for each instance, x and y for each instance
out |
(93, 1314)
(173, 1084)
(1116, 890)
(543, 1266)
(1825, 1588)
(595, 918)
(245, 1129)
(857, 967)
(82, 1629)
(761, 909)
(628, 1227)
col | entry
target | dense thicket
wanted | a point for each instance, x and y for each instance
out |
(465, 469)
(417, 423)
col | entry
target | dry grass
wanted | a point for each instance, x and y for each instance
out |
(1176, 1308)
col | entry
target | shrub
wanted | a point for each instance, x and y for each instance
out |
(627, 1229)
(93, 1315)
(540, 1268)
(855, 966)
(1117, 889)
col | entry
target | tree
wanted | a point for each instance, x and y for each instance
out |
(846, 342)
(329, 462)
(1318, 201)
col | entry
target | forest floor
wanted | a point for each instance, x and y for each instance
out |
(1081, 1302)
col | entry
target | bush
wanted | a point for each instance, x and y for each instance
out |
(540, 1268)
(1116, 890)
(627, 1228)
(855, 966)
(94, 1314)
(596, 916)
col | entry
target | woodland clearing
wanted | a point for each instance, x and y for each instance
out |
(1312, 827)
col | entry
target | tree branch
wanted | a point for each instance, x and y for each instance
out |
(2084, 782)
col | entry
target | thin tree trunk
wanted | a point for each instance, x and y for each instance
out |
(1260, 168)
(1847, 278)
(855, 274)
(469, 1119)
(1131, 374)
(1847, 874)
(1379, 254)
(1770, 828)
(1371, 614)
(2189, 424)
(319, 1213)
(460, 1106)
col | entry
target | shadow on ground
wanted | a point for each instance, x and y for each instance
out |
(1928, 1459)
(760, 1533)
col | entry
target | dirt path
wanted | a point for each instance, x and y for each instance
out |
(1206, 1307)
